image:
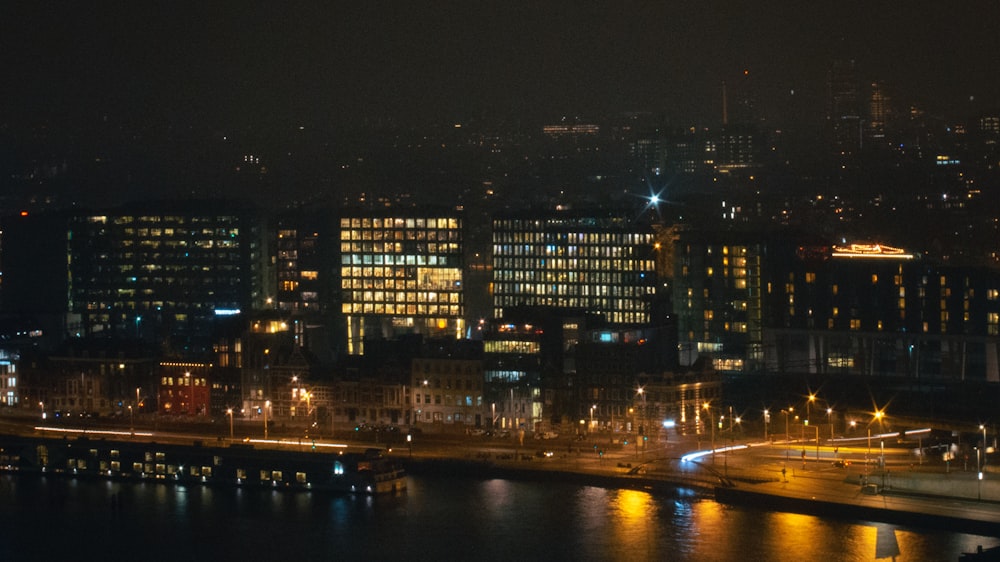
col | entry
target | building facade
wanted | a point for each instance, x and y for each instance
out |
(152, 272)
(602, 264)
(401, 273)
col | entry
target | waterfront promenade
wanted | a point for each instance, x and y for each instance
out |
(931, 496)
(751, 476)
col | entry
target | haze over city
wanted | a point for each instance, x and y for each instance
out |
(138, 91)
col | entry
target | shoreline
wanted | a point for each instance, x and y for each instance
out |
(806, 496)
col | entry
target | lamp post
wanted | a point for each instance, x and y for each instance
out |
(829, 419)
(592, 418)
(787, 413)
(642, 421)
(131, 419)
(41, 406)
(767, 418)
(229, 412)
(711, 420)
(267, 404)
(982, 426)
(881, 439)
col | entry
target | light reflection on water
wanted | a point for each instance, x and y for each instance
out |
(437, 518)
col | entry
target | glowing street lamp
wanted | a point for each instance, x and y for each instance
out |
(708, 408)
(767, 418)
(878, 416)
(229, 412)
(267, 406)
(983, 427)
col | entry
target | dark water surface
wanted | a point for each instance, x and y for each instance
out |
(436, 519)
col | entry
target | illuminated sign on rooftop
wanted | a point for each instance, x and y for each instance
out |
(870, 251)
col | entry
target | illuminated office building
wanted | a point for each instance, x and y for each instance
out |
(170, 269)
(603, 265)
(401, 272)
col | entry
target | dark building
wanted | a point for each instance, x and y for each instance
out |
(164, 272)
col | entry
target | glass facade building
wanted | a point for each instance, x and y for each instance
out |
(401, 273)
(156, 270)
(604, 265)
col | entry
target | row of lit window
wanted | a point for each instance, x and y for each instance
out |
(630, 315)
(183, 381)
(467, 401)
(391, 259)
(426, 275)
(208, 308)
(507, 237)
(397, 284)
(572, 264)
(404, 297)
(594, 303)
(450, 311)
(398, 236)
(600, 251)
(157, 219)
(593, 277)
(508, 346)
(399, 223)
(565, 289)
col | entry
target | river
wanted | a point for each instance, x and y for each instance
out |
(435, 519)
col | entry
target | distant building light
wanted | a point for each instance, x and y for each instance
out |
(870, 251)
(227, 311)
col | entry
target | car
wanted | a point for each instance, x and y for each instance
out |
(544, 454)
(841, 463)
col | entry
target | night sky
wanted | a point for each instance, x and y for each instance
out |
(221, 63)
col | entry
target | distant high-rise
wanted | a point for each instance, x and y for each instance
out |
(844, 110)
(878, 112)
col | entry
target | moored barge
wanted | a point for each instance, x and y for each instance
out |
(359, 471)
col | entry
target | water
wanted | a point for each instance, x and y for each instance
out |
(436, 519)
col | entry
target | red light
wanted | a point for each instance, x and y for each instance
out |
(24, 213)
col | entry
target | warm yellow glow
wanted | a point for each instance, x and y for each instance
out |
(870, 251)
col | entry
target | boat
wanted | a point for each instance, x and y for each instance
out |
(368, 471)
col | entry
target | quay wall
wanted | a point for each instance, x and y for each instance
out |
(964, 485)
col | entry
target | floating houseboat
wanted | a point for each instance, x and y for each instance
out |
(349, 470)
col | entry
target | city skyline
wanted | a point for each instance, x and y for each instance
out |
(328, 64)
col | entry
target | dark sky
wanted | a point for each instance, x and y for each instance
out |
(220, 63)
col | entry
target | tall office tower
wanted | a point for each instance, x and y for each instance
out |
(844, 111)
(878, 112)
(601, 264)
(164, 270)
(401, 272)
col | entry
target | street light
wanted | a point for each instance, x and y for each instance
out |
(131, 419)
(983, 427)
(767, 418)
(878, 416)
(267, 404)
(41, 405)
(229, 412)
(787, 413)
(829, 419)
(592, 418)
(708, 409)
